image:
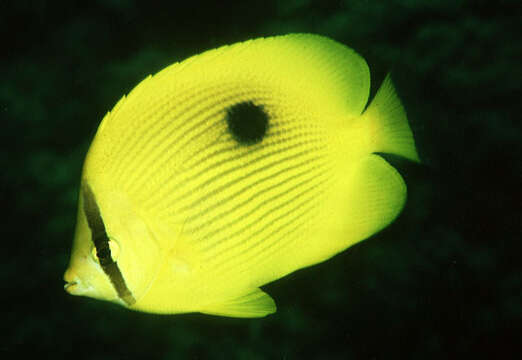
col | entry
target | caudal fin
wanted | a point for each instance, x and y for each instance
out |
(390, 131)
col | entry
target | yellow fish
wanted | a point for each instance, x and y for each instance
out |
(232, 169)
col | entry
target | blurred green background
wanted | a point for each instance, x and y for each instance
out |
(444, 281)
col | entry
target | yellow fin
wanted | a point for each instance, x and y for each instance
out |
(390, 131)
(377, 196)
(367, 199)
(255, 303)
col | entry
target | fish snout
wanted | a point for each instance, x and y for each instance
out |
(74, 285)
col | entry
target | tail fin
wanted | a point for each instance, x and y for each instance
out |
(390, 130)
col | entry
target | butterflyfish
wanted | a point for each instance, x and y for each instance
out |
(232, 169)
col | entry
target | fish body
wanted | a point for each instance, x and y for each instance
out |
(232, 169)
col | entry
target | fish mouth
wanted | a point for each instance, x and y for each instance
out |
(69, 287)
(73, 284)
(77, 287)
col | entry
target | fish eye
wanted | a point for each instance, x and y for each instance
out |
(247, 122)
(114, 251)
(94, 256)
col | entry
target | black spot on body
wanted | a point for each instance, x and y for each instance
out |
(247, 122)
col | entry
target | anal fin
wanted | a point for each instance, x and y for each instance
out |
(377, 196)
(255, 303)
(367, 199)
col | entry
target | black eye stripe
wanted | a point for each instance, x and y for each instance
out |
(101, 243)
(104, 255)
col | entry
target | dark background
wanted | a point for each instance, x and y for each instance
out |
(444, 281)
